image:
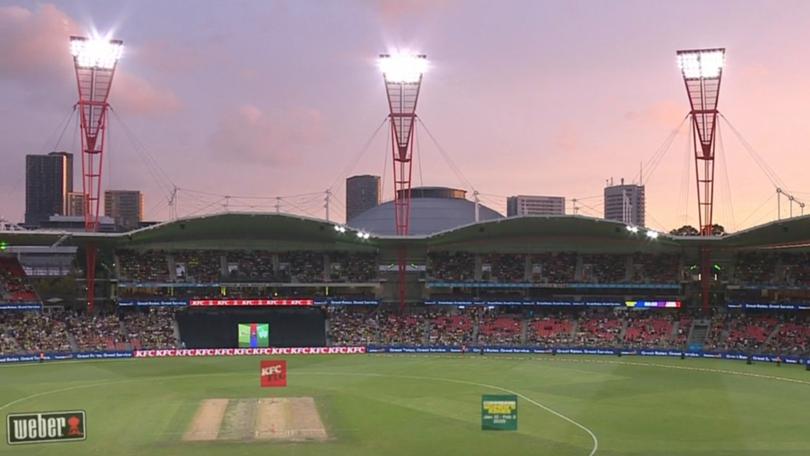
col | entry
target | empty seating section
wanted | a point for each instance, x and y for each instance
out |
(550, 331)
(648, 331)
(500, 330)
(14, 285)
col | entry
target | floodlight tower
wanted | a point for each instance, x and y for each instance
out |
(403, 78)
(402, 73)
(94, 60)
(702, 70)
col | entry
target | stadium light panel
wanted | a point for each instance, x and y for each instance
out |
(96, 52)
(652, 234)
(632, 229)
(701, 64)
(403, 67)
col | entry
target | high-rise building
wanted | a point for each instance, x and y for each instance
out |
(362, 194)
(75, 204)
(534, 205)
(125, 207)
(625, 203)
(48, 181)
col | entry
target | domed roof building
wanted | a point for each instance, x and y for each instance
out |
(433, 209)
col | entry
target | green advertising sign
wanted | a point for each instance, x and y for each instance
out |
(499, 412)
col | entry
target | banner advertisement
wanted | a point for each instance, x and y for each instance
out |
(346, 302)
(635, 286)
(522, 302)
(249, 302)
(152, 303)
(194, 352)
(499, 412)
(397, 349)
(768, 306)
(43, 427)
(20, 306)
(32, 358)
(273, 373)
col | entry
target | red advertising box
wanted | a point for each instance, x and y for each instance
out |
(273, 373)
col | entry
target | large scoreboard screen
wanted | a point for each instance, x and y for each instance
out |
(254, 335)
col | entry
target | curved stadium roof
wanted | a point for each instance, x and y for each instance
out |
(433, 209)
(278, 231)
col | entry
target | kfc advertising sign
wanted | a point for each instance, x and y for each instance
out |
(273, 373)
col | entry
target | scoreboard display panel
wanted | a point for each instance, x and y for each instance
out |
(254, 335)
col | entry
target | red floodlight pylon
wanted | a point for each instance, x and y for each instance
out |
(403, 79)
(94, 60)
(702, 71)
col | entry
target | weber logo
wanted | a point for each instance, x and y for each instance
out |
(45, 427)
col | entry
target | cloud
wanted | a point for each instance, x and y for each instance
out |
(34, 53)
(666, 113)
(565, 139)
(173, 57)
(276, 138)
(133, 95)
(394, 9)
(34, 44)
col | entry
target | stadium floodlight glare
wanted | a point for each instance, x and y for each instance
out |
(705, 63)
(652, 234)
(96, 52)
(632, 229)
(340, 228)
(95, 59)
(403, 67)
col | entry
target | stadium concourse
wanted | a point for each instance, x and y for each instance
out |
(551, 282)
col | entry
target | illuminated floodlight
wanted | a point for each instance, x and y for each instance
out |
(403, 67)
(340, 228)
(96, 52)
(652, 234)
(707, 63)
(363, 235)
(632, 229)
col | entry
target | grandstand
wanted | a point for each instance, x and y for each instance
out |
(518, 282)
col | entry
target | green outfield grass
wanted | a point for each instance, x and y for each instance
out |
(424, 405)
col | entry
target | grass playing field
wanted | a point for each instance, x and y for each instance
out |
(424, 405)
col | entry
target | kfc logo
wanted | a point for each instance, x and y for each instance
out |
(273, 373)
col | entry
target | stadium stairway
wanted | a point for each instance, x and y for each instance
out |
(176, 332)
(578, 271)
(698, 332)
(623, 332)
(426, 332)
(74, 346)
(776, 329)
(673, 335)
(524, 331)
(628, 269)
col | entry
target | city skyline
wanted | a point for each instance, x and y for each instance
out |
(238, 102)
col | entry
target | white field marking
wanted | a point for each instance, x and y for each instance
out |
(483, 385)
(565, 359)
(108, 383)
(523, 358)
(528, 399)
